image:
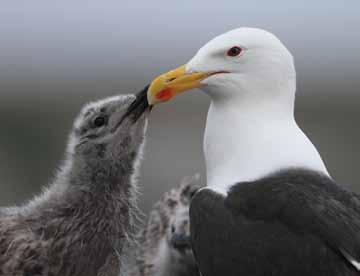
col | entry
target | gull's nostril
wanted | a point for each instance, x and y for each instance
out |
(171, 79)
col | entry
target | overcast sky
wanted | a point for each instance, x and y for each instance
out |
(75, 45)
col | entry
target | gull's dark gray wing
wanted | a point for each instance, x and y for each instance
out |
(294, 222)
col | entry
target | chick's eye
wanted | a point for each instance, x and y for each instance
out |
(234, 51)
(100, 121)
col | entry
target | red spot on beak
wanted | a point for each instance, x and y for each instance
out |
(164, 95)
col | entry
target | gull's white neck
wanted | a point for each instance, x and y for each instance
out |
(246, 140)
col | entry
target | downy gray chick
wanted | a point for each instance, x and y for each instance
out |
(164, 244)
(81, 222)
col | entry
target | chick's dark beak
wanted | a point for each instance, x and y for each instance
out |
(136, 108)
(139, 106)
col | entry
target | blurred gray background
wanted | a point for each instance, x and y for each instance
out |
(57, 55)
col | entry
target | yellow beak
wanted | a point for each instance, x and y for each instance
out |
(168, 85)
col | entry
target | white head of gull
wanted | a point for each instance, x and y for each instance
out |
(251, 130)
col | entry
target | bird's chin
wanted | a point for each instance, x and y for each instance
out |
(182, 250)
(141, 124)
(186, 254)
(139, 128)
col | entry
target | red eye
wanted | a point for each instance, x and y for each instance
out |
(234, 51)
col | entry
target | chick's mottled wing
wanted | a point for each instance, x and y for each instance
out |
(20, 252)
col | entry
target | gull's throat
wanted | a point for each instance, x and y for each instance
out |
(247, 144)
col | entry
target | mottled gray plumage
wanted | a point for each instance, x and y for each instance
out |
(80, 223)
(164, 244)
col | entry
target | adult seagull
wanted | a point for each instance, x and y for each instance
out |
(270, 206)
